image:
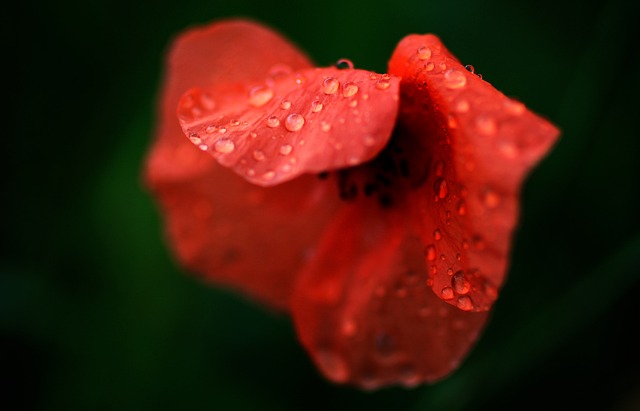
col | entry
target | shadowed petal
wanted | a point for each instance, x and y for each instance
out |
(221, 226)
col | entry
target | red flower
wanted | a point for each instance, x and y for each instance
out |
(377, 209)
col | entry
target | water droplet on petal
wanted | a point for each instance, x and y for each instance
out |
(486, 125)
(442, 66)
(454, 79)
(259, 96)
(430, 252)
(253, 134)
(224, 146)
(280, 70)
(210, 129)
(258, 155)
(234, 123)
(437, 235)
(286, 168)
(203, 147)
(490, 198)
(333, 365)
(464, 303)
(273, 122)
(316, 106)
(268, 176)
(222, 130)
(441, 188)
(285, 105)
(447, 293)
(294, 122)
(470, 68)
(429, 66)
(195, 139)
(325, 126)
(300, 79)
(462, 106)
(330, 85)
(349, 89)
(514, 107)
(285, 149)
(462, 208)
(344, 64)
(424, 53)
(459, 283)
(452, 122)
(383, 84)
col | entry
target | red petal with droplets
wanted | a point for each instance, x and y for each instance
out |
(364, 312)
(221, 226)
(290, 123)
(479, 147)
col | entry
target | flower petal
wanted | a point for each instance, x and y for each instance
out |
(221, 226)
(289, 123)
(363, 310)
(202, 57)
(479, 146)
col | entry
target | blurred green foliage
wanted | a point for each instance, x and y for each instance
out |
(94, 313)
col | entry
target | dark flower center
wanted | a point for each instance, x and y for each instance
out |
(394, 171)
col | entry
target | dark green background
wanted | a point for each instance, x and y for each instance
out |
(95, 315)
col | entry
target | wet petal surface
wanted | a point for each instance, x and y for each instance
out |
(480, 146)
(292, 123)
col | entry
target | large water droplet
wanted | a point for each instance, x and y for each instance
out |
(349, 89)
(459, 283)
(285, 149)
(440, 187)
(259, 96)
(424, 53)
(224, 146)
(447, 293)
(294, 122)
(464, 303)
(330, 85)
(273, 122)
(454, 79)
